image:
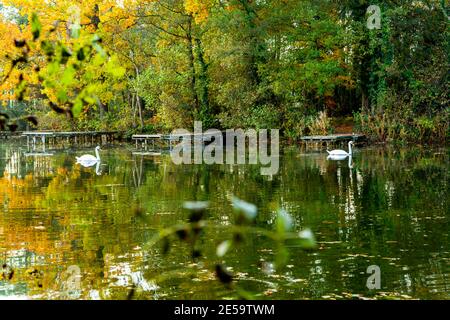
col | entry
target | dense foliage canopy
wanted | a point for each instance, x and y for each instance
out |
(155, 65)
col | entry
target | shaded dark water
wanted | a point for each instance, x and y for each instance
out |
(391, 210)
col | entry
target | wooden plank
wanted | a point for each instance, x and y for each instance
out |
(37, 133)
(66, 134)
(38, 154)
(154, 154)
(334, 137)
(146, 136)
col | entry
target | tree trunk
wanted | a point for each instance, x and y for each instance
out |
(203, 85)
(192, 67)
(133, 108)
(139, 106)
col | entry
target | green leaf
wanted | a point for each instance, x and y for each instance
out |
(196, 205)
(90, 100)
(75, 31)
(306, 239)
(62, 96)
(77, 107)
(223, 248)
(99, 59)
(68, 77)
(113, 67)
(281, 258)
(47, 47)
(284, 222)
(244, 294)
(53, 68)
(96, 45)
(36, 26)
(248, 210)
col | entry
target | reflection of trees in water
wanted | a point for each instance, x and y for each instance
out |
(13, 162)
(138, 171)
(18, 164)
(391, 204)
(93, 221)
(41, 166)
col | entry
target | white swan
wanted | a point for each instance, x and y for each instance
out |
(341, 154)
(88, 160)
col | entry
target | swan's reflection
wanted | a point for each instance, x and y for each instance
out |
(97, 164)
(340, 158)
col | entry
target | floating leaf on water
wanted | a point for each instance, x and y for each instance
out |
(249, 210)
(223, 248)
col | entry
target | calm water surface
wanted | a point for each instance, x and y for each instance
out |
(390, 209)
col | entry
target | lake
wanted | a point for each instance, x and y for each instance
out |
(68, 232)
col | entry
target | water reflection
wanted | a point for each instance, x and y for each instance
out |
(383, 207)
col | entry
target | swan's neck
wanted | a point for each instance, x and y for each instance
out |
(97, 154)
(349, 148)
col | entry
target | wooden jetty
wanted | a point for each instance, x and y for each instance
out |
(51, 137)
(328, 140)
(4, 135)
(145, 139)
(39, 154)
(147, 153)
(334, 138)
(159, 140)
(8, 134)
